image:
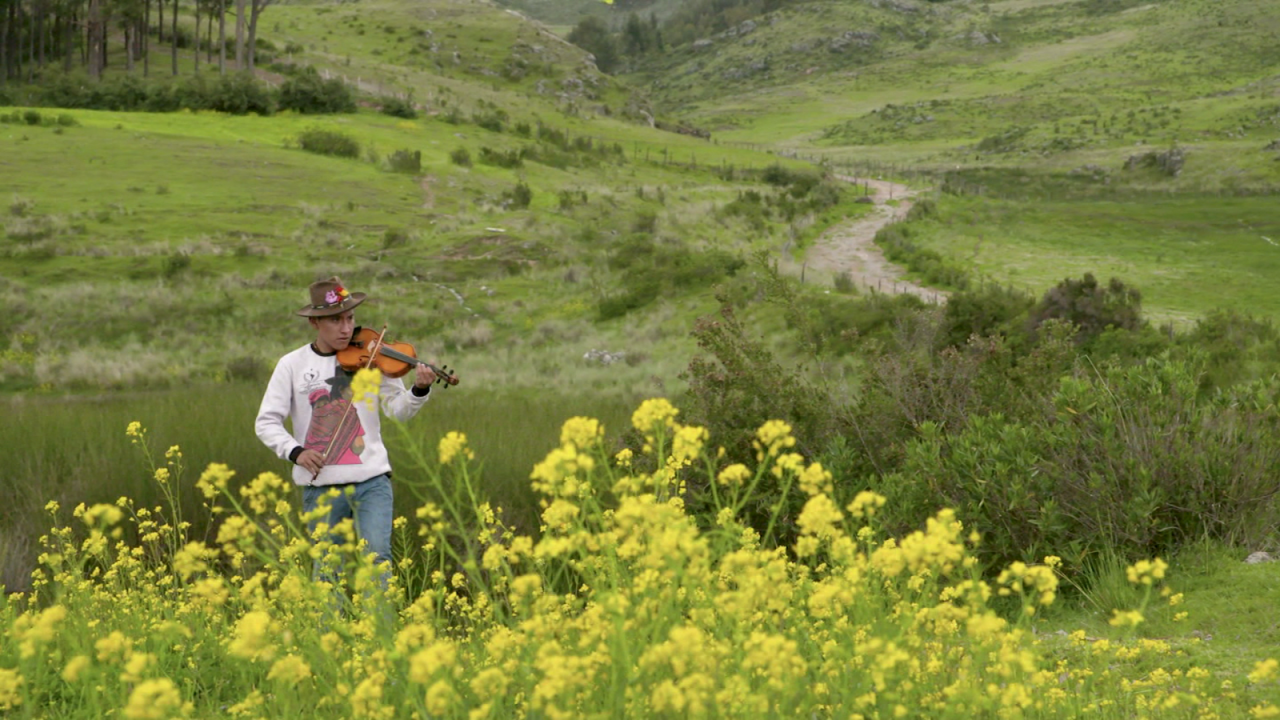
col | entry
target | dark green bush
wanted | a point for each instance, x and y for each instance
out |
(986, 311)
(240, 94)
(492, 120)
(898, 247)
(399, 107)
(328, 142)
(460, 157)
(518, 197)
(1132, 459)
(405, 161)
(310, 94)
(502, 158)
(31, 117)
(1089, 306)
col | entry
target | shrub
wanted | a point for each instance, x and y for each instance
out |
(1132, 458)
(399, 107)
(502, 158)
(239, 94)
(989, 310)
(308, 93)
(460, 157)
(65, 120)
(1089, 306)
(405, 161)
(328, 142)
(394, 237)
(31, 117)
(493, 120)
(519, 197)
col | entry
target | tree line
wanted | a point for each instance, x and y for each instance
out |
(637, 38)
(36, 35)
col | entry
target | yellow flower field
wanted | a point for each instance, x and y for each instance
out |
(625, 604)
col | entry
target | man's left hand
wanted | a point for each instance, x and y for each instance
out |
(425, 376)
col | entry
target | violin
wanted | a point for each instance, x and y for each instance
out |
(368, 349)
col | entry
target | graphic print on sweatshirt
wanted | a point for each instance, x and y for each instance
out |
(335, 430)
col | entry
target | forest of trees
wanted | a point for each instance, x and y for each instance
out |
(639, 36)
(39, 34)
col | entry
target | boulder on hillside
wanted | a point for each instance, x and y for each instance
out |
(979, 38)
(1275, 145)
(901, 6)
(702, 44)
(860, 38)
(1169, 162)
(1259, 557)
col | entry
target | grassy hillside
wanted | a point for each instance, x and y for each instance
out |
(1057, 137)
(540, 225)
(566, 13)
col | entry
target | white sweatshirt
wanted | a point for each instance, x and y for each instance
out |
(314, 392)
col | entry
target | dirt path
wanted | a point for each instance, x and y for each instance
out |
(850, 247)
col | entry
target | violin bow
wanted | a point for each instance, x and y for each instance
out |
(337, 431)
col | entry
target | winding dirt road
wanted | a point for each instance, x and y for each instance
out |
(850, 246)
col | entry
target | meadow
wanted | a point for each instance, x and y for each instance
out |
(70, 449)
(624, 604)
(865, 507)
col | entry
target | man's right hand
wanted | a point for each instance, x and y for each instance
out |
(312, 461)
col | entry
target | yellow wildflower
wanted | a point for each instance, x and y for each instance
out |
(114, 646)
(1123, 618)
(252, 637)
(75, 666)
(10, 689)
(820, 517)
(687, 443)
(652, 413)
(365, 386)
(102, 515)
(623, 458)
(214, 479)
(440, 697)
(453, 445)
(581, 432)
(772, 438)
(735, 474)
(289, 670)
(1145, 572)
(1264, 670)
(155, 700)
(426, 662)
(865, 504)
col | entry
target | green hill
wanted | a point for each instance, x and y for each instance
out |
(532, 216)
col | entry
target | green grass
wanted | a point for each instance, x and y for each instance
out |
(1229, 623)
(75, 449)
(1187, 254)
(166, 225)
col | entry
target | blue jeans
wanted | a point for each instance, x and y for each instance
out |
(370, 504)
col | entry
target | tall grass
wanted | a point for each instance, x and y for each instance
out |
(74, 449)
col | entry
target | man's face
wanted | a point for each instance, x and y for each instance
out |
(333, 332)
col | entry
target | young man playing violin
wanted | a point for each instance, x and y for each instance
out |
(336, 442)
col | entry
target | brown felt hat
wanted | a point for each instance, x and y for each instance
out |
(328, 297)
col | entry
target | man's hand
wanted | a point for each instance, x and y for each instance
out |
(312, 461)
(425, 376)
